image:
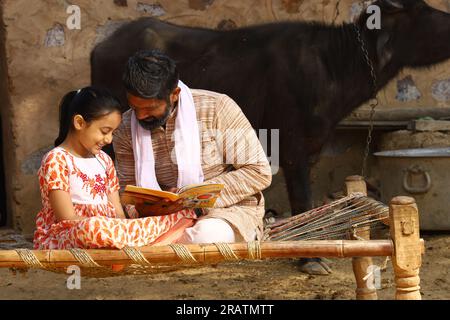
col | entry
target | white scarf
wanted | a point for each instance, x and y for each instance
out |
(187, 146)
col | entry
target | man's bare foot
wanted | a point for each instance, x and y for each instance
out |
(314, 266)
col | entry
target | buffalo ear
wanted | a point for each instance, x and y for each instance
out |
(393, 5)
(384, 53)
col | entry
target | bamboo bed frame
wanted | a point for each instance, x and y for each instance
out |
(405, 249)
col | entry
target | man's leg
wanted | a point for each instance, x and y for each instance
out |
(209, 230)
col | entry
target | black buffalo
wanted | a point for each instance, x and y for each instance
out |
(301, 78)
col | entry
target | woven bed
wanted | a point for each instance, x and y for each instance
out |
(337, 229)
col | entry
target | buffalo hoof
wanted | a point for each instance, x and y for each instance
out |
(314, 266)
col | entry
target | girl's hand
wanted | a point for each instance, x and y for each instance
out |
(115, 200)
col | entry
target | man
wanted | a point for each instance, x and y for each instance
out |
(173, 136)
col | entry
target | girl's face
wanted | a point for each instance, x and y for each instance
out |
(93, 136)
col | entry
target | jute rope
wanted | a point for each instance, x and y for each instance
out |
(83, 257)
(29, 258)
(254, 250)
(182, 252)
(226, 251)
(136, 255)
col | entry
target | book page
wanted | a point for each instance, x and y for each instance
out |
(200, 195)
(152, 192)
(151, 202)
(147, 205)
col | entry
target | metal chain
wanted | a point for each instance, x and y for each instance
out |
(373, 104)
(369, 138)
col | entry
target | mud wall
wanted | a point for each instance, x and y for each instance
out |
(43, 59)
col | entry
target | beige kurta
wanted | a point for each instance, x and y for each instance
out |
(231, 155)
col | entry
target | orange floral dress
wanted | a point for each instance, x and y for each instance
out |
(89, 181)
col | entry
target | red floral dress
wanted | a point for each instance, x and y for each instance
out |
(89, 181)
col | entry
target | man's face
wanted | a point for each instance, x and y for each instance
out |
(152, 113)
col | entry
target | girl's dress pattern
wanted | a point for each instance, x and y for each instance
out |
(89, 181)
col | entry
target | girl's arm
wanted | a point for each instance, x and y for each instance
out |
(115, 200)
(62, 206)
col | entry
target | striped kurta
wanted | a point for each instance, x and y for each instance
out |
(231, 155)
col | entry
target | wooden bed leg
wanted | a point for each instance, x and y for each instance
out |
(407, 257)
(361, 265)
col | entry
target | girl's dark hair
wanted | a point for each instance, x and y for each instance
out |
(150, 74)
(89, 102)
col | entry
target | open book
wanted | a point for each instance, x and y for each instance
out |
(150, 202)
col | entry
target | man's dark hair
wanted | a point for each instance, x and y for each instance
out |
(150, 74)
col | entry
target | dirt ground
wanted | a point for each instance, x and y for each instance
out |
(270, 279)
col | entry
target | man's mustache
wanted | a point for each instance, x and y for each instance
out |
(149, 119)
(152, 122)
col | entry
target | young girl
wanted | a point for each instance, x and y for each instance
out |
(79, 186)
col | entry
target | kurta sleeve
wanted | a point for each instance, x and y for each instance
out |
(250, 170)
(55, 172)
(123, 151)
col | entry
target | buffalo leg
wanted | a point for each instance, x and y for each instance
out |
(298, 185)
(296, 173)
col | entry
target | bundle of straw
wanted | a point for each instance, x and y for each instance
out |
(336, 220)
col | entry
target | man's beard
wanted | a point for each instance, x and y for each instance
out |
(152, 122)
